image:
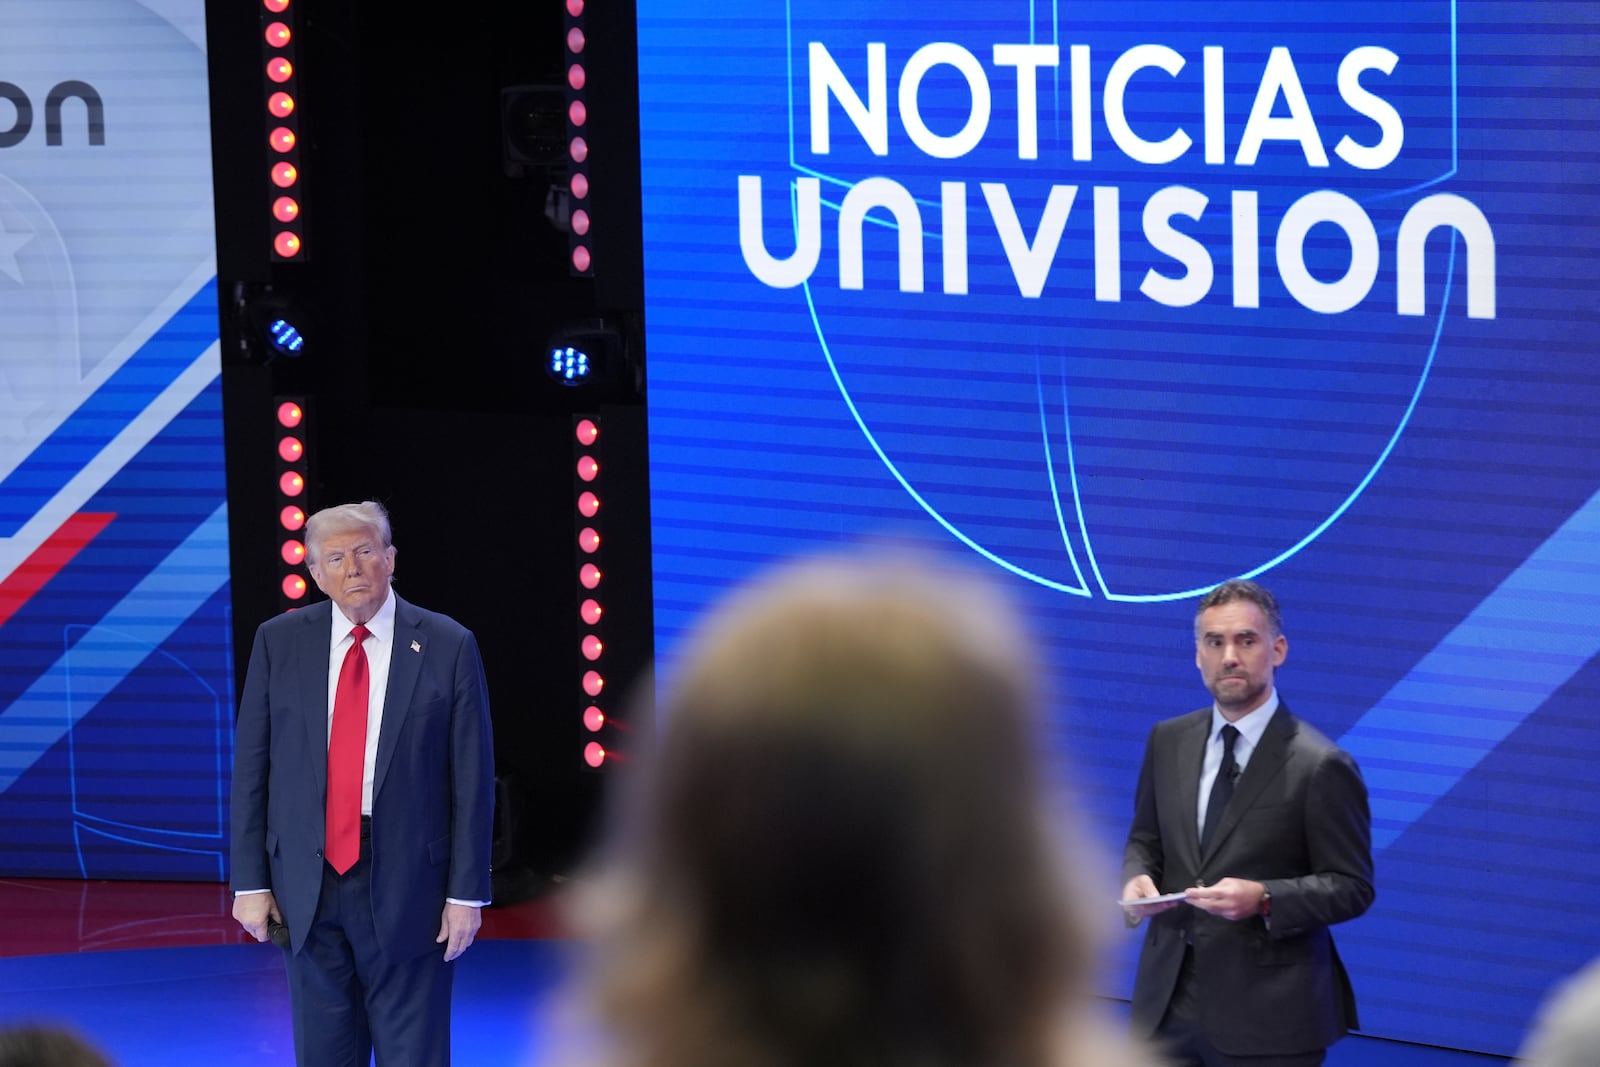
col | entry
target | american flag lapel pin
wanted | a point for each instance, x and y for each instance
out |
(416, 646)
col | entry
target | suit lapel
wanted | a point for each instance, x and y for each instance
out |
(1191, 754)
(1265, 763)
(405, 664)
(314, 642)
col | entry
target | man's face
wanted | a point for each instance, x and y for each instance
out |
(354, 570)
(1237, 654)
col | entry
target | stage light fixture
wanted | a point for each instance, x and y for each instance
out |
(591, 353)
(569, 365)
(285, 337)
(533, 130)
(272, 324)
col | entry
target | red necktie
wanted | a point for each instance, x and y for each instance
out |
(347, 753)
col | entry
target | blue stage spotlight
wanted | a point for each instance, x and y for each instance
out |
(272, 323)
(285, 337)
(569, 365)
(595, 353)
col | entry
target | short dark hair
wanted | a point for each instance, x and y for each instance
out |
(1242, 589)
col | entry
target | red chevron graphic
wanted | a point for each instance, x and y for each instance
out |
(47, 560)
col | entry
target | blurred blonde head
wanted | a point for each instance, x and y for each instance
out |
(47, 1045)
(841, 852)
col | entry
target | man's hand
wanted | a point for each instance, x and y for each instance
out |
(1142, 886)
(1231, 898)
(252, 910)
(457, 927)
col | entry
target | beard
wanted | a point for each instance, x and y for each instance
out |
(1234, 692)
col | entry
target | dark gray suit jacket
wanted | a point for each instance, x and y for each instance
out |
(1298, 823)
(433, 788)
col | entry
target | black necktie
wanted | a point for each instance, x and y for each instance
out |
(1222, 787)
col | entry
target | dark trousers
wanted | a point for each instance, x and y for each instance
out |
(350, 1000)
(1182, 1040)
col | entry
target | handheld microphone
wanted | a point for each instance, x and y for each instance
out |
(277, 932)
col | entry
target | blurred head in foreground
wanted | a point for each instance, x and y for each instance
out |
(842, 853)
(1567, 1030)
(47, 1046)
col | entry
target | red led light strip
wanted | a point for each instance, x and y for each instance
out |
(580, 244)
(294, 581)
(598, 725)
(281, 104)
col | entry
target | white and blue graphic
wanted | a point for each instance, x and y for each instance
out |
(116, 699)
(1116, 303)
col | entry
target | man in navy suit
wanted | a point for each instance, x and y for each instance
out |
(372, 946)
(1263, 824)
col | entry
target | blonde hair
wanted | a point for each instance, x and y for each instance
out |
(343, 518)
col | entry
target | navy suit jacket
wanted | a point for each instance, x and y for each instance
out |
(1299, 823)
(433, 787)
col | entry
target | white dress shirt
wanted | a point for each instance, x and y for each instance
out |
(1250, 728)
(379, 647)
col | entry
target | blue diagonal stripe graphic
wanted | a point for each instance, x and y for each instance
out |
(108, 411)
(1527, 638)
(173, 591)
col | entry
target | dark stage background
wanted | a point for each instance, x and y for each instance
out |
(433, 282)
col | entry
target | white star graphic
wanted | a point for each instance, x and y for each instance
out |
(9, 244)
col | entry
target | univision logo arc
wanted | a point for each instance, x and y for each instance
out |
(1127, 449)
